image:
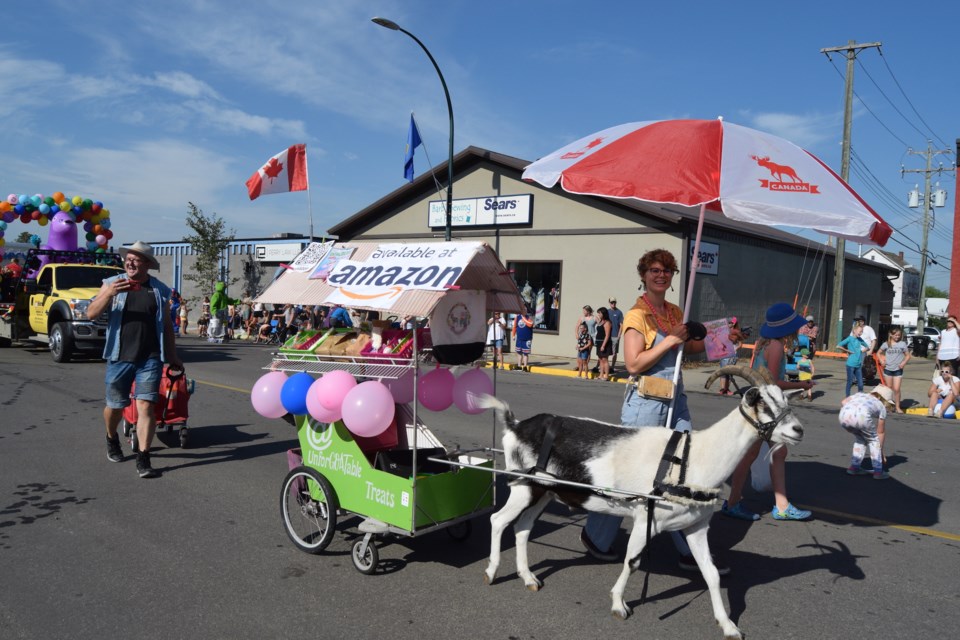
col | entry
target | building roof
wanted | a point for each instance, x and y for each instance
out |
(897, 260)
(472, 156)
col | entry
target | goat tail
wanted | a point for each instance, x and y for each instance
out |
(486, 401)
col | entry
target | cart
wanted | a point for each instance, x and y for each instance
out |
(404, 482)
(170, 409)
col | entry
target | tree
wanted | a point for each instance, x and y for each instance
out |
(24, 236)
(932, 292)
(209, 241)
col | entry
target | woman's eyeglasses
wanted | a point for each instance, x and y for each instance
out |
(656, 272)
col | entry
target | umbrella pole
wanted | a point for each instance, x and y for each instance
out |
(695, 264)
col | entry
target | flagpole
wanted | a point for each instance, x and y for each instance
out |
(306, 166)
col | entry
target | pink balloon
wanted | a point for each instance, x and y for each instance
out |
(473, 382)
(402, 387)
(368, 409)
(316, 409)
(435, 391)
(265, 395)
(334, 389)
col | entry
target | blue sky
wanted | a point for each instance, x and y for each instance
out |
(148, 105)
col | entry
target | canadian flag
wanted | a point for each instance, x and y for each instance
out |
(286, 171)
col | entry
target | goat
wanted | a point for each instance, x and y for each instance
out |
(606, 455)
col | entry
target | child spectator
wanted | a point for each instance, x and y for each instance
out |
(584, 346)
(894, 356)
(805, 371)
(863, 415)
(184, 312)
(854, 345)
(943, 391)
(496, 332)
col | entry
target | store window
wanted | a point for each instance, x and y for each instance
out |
(539, 284)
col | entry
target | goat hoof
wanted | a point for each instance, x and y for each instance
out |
(622, 614)
(534, 586)
(487, 580)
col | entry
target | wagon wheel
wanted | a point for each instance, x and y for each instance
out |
(460, 531)
(184, 437)
(365, 555)
(308, 506)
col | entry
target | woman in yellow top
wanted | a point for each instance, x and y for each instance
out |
(652, 332)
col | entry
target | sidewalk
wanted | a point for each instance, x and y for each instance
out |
(831, 377)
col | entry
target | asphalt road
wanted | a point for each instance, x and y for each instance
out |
(88, 550)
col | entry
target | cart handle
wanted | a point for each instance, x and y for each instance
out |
(173, 376)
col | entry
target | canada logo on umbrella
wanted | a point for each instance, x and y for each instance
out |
(778, 171)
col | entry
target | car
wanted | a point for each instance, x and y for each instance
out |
(909, 333)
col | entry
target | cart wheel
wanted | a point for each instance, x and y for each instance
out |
(124, 427)
(184, 437)
(460, 531)
(366, 563)
(308, 506)
(133, 439)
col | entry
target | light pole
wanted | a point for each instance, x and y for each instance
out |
(390, 24)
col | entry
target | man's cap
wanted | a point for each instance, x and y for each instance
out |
(612, 301)
(809, 318)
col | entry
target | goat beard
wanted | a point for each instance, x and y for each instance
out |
(773, 449)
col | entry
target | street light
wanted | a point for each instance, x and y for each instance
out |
(390, 24)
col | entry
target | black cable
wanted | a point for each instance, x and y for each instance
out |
(905, 97)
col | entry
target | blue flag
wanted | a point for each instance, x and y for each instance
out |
(413, 141)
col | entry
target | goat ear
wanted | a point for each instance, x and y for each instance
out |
(792, 393)
(752, 397)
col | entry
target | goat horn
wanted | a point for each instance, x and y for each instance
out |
(754, 376)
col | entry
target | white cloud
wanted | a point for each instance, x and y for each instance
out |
(804, 130)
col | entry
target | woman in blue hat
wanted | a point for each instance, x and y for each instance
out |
(777, 334)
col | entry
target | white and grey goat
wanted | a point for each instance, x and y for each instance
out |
(605, 455)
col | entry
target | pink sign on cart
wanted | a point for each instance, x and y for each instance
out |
(717, 343)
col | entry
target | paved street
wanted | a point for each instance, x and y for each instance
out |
(89, 551)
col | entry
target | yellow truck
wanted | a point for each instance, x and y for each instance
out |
(51, 306)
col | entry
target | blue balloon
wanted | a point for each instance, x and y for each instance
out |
(19, 209)
(3, 225)
(44, 208)
(293, 395)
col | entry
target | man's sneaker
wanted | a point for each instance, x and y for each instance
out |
(605, 556)
(882, 475)
(858, 471)
(144, 470)
(114, 452)
(687, 563)
(739, 512)
(790, 513)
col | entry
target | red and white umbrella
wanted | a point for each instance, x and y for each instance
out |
(749, 175)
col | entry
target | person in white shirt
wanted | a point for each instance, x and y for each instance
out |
(949, 350)
(944, 389)
(869, 335)
(496, 332)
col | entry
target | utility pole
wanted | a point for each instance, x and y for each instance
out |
(836, 307)
(928, 203)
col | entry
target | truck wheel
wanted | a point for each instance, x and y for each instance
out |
(61, 342)
(5, 342)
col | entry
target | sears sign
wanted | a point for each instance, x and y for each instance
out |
(709, 258)
(491, 210)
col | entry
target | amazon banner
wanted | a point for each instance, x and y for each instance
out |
(393, 268)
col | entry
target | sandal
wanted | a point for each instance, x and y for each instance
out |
(739, 512)
(790, 513)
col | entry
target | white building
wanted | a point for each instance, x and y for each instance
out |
(906, 287)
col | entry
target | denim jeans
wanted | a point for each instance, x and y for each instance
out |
(854, 373)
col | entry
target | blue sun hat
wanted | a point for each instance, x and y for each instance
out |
(782, 321)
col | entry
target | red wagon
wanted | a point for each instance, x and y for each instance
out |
(171, 409)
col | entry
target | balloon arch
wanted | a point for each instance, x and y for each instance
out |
(56, 208)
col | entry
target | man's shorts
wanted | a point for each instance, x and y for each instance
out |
(523, 346)
(121, 376)
(615, 341)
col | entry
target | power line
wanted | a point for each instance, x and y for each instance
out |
(895, 108)
(867, 107)
(905, 97)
